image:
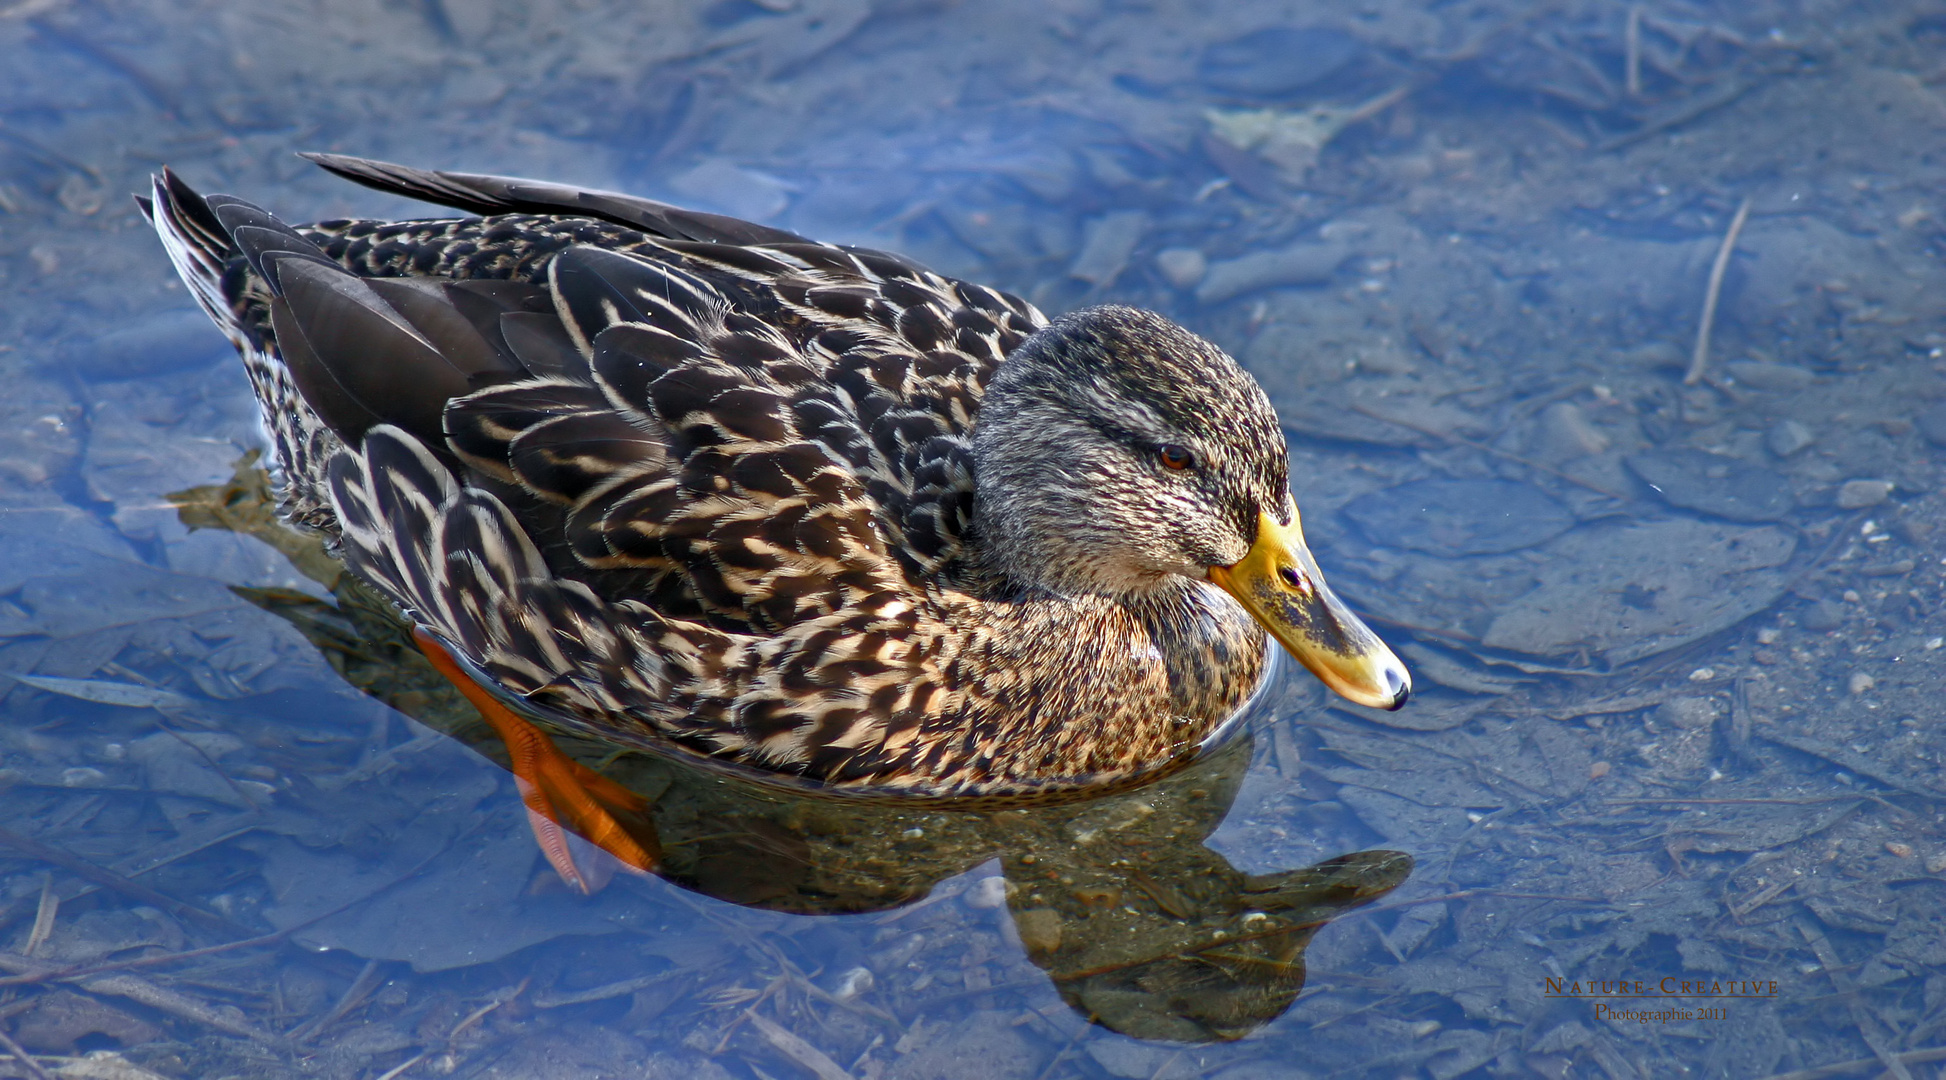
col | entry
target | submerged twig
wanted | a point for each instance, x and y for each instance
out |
(506, 995)
(361, 988)
(775, 985)
(399, 1070)
(1861, 1014)
(602, 992)
(44, 915)
(54, 974)
(1758, 899)
(111, 880)
(147, 993)
(1632, 39)
(30, 972)
(26, 1059)
(1699, 357)
(1696, 107)
(792, 1046)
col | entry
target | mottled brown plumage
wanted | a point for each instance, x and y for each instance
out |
(812, 513)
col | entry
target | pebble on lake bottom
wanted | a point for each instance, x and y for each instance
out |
(1858, 494)
(1566, 433)
(1687, 712)
(1183, 267)
(1787, 437)
(1823, 615)
(987, 894)
(1040, 929)
(1860, 682)
(1932, 424)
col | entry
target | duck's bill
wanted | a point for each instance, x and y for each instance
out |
(1279, 584)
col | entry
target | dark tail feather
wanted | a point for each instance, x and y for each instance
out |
(199, 247)
(478, 193)
(360, 353)
(263, 240)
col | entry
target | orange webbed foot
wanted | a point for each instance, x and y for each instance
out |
(560, 792)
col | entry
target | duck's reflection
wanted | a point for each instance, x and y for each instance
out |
(1143, 929)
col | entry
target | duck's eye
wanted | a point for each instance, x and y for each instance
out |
(1175, 457)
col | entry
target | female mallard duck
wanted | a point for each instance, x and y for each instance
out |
(681, 482)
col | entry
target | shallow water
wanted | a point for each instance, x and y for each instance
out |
(1678, 643)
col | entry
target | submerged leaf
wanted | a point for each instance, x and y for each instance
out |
(107, 692)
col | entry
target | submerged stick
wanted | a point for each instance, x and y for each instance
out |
(1632, 39)
(106, 878)
(1702, 103)
(26, 1059)
(1699, 358)
(361, 988)
(795, 1048)
(153, 995)
(44, 915)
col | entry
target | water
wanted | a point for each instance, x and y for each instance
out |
(1678, 644)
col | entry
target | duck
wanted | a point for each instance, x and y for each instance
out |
(805, 513)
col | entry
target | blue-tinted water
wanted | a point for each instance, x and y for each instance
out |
(1676, 747)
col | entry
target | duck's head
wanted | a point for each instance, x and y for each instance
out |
(1115, 451)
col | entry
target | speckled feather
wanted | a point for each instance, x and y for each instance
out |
(699, 486)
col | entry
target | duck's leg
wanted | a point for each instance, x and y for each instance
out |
(557, 789)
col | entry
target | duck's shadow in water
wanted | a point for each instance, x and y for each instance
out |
(1141, 927)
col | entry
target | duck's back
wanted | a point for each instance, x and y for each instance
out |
(726, 421)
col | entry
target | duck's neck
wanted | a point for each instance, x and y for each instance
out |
(1185, 648)
(1211, 649)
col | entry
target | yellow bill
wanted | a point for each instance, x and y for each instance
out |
(1280, 585)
